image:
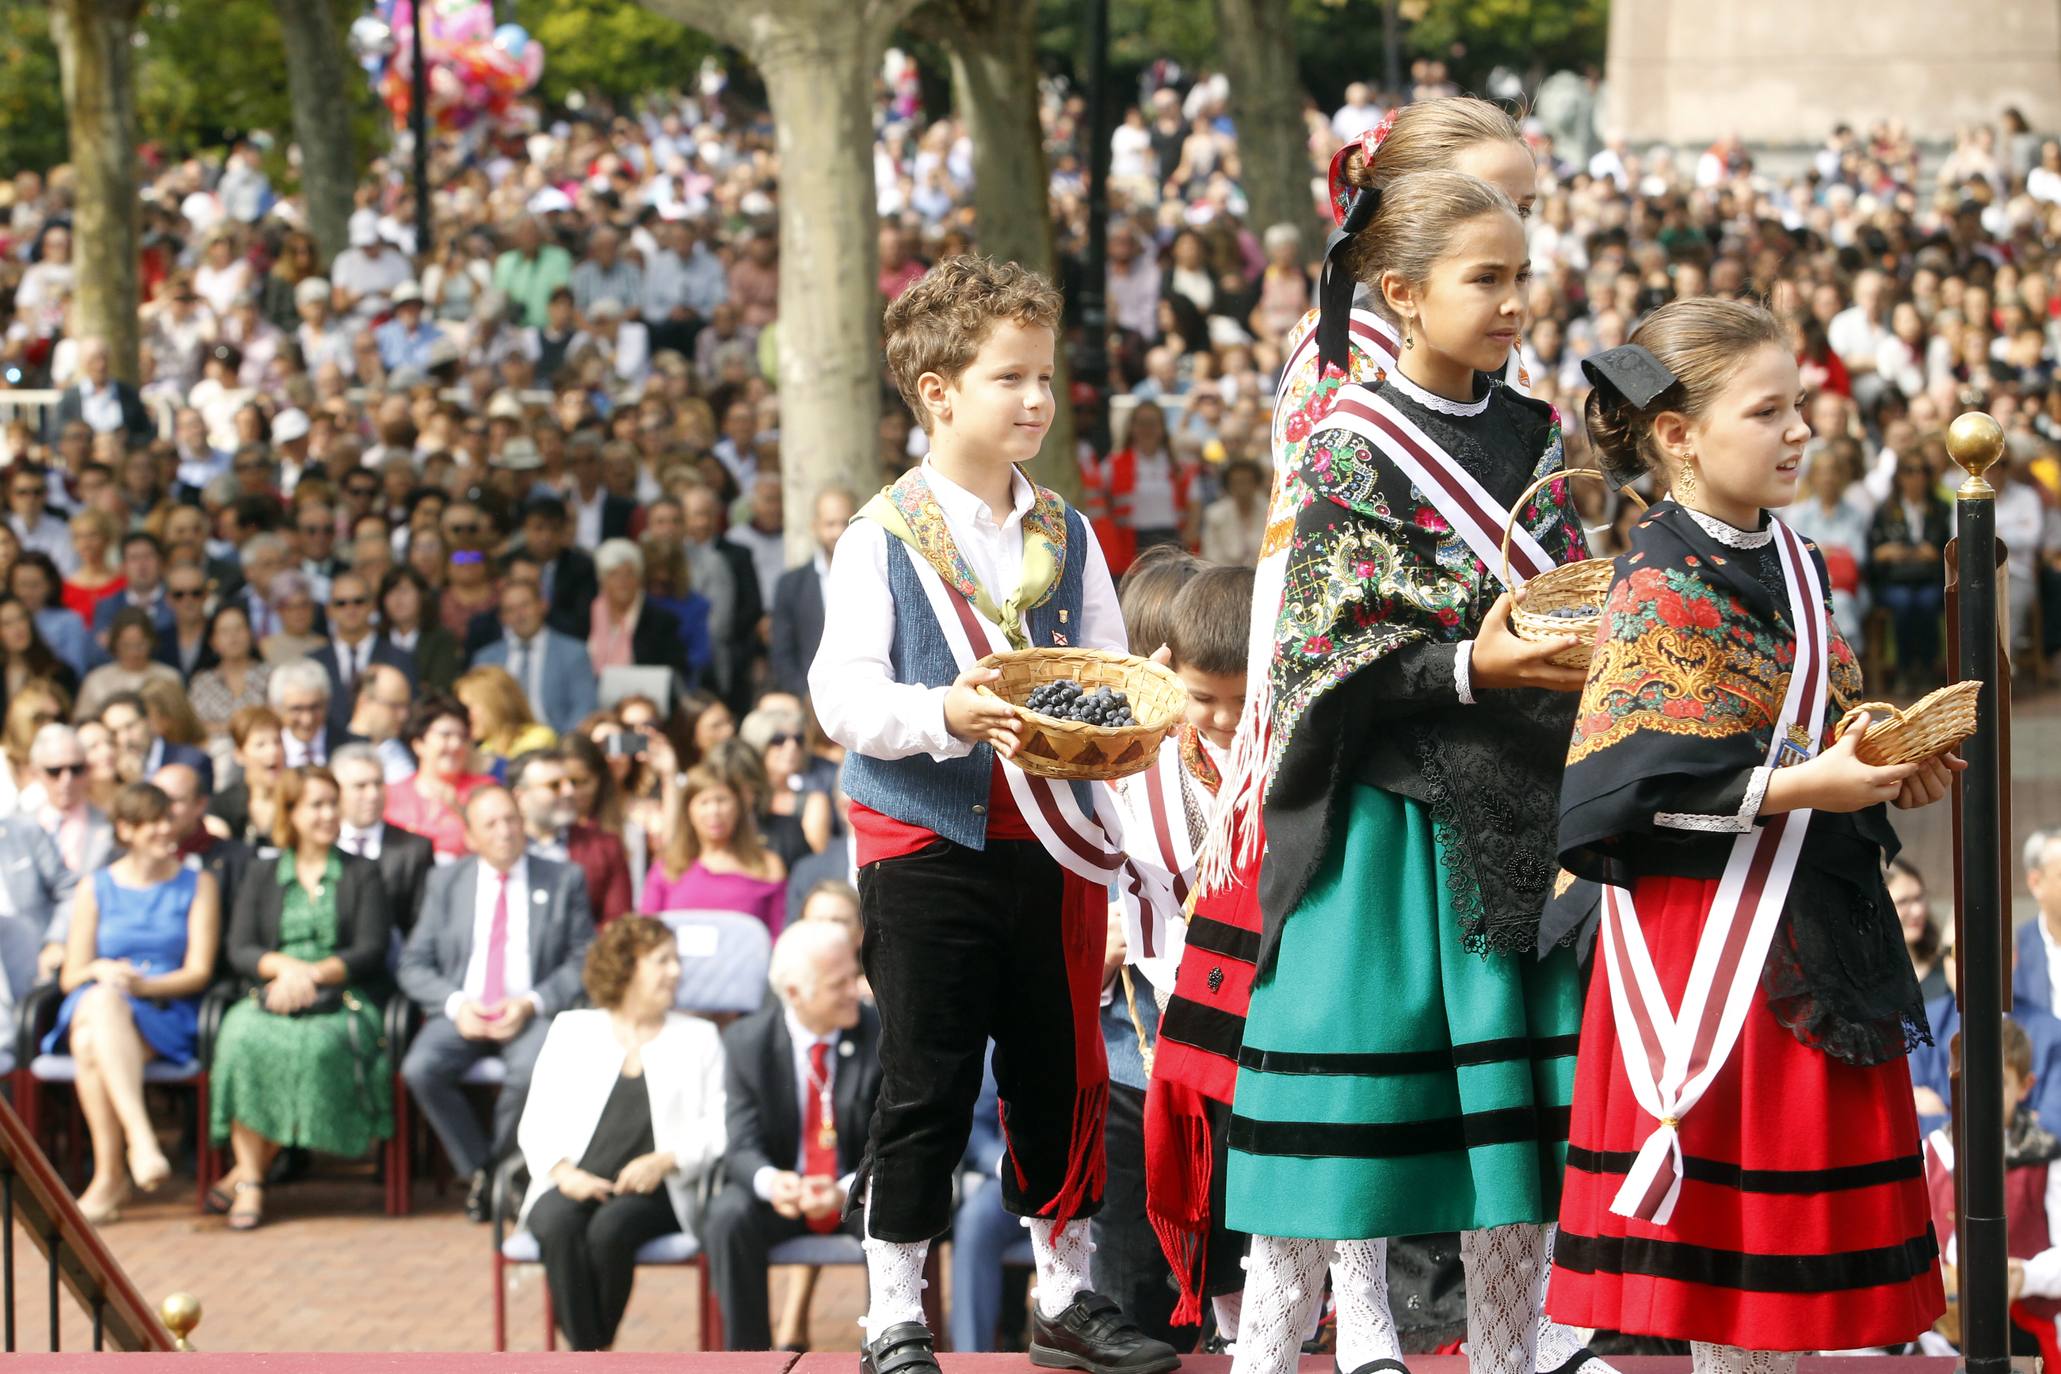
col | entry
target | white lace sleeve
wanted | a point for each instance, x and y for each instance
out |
(1736, 824)
(1463, 668)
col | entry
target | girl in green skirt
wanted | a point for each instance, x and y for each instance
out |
(1408, 1060)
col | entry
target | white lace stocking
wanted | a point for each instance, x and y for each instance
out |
(1063, 1263)
(1705, 1358)
(1557, 1343)
(1284, 1285)
(1506, 1271)
(894, 1284)
(1359, 1286)
(1226, 1307)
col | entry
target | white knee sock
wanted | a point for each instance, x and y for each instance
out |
(1705, 1358)
(1063, 1263)
(1359, 1286)
(894, 1284)
(1226, 1310)
(1557, 1343)
(1284, 1286)
(1506, 1267)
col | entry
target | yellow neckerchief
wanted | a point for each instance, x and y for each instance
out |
(909, 511)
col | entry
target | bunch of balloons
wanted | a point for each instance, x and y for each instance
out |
(474, 68)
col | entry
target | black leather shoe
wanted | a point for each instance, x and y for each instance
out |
(1574, 1362)
(904, 1348)
(476, 1197)
(1375, 1367)
(1093, 1334)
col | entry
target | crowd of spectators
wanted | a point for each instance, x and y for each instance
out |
(463, 564)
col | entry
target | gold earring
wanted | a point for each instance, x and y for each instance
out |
(1408, 340)
(1685, 478)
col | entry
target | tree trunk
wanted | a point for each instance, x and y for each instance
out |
(995, 86)
(95, 49)
(829, 326)
(1257, 40)
(321, 119)
(818, 59)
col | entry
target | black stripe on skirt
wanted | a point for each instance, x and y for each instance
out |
(1388, 1139)
(1506, 1050)
(1800, 1182)
(1711, 1268)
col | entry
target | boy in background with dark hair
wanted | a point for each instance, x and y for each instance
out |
(983, 890)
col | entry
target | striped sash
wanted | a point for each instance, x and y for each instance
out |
(1475, 516)
(1159, 863)
(1671, 1060)
(1083, 842)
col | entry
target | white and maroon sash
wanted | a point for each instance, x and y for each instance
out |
(1672, 1060)
(1475, 516)
(1084, 843)
(1366, 331)
(1159, 863)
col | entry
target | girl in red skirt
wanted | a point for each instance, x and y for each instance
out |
(1744, 1169)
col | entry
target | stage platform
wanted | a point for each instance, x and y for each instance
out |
(773, 1362)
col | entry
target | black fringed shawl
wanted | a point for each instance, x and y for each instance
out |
(1379, 594)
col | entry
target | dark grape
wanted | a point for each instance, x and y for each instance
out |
(1066, 699)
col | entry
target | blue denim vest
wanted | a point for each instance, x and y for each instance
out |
(950, 797)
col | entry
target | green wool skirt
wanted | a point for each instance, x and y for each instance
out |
(315, 1081)
(1392, 1082)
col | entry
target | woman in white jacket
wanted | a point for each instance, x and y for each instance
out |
(625, 1114)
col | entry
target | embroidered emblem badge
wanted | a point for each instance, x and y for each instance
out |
(1216, 979)
(1796, 748)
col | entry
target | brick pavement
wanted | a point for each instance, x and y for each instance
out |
(329, 1272)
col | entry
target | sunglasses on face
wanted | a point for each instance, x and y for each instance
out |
(185, 593)
(63, 770)
(350, 600)
(778, 740)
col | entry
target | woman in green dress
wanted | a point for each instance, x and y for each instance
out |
(302, 1061)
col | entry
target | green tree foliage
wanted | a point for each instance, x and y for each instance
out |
(1532, 37)
(614, 48)
(205, 70)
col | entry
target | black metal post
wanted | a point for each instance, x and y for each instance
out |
(1094, 292)
(1975, 442)
(7, 1249)
(418, 126)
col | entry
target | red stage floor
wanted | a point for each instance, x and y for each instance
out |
(776, 1363)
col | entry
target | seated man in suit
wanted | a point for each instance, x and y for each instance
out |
(2034, 971)
(798, 597)
(82, 834)
(299, 694)
(37, 887)
(550, 818)
(380, 703)
(143, 568)
(551, 668)
(227, 859)
(139, 750)
(101, 401)
(353, 647)
(496, 953)
(404, 857)
(567, 572)
(800, 1080)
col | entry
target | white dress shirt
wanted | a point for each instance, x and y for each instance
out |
(852, 681)
(352, 661)
(100, 407)
(526, 665)
(587, 516)
(2053, 966)
(364, 843)
(805, 1091)
(302, 753)
(515, 965)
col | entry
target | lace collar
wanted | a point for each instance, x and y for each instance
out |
(1432, 401)
(1731, 536)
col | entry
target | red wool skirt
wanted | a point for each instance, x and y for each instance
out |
(1802, 1222)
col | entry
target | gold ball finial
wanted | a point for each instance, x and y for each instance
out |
(180, 1313)
(1975, 441)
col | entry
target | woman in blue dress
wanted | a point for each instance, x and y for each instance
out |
(142, 949)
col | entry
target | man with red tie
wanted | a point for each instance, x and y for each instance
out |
(496, 953)
(799, 1081)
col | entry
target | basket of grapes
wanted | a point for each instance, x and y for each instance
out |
(1088, 714)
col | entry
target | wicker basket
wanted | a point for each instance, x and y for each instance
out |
(1567, 600)
(1053, 748)
(1926, 729)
